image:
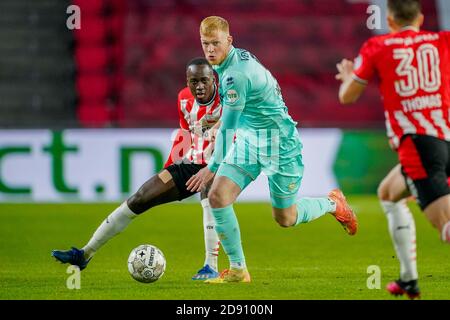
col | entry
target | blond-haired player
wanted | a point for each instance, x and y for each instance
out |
(266, 141)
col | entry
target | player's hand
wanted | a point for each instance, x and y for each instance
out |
(210, 135)
(199, 180)
(345, 69)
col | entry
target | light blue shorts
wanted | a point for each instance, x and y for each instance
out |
(284, 177)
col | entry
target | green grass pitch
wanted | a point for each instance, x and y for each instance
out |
(313, 261)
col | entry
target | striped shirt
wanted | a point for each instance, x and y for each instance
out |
(195, 120)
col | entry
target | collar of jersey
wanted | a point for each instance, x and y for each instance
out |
(410, 28)
(227, 60)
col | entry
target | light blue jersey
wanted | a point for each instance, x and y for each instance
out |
(266, 141)
(266, 136)
(246, 85)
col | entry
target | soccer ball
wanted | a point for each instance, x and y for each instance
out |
(146, 263)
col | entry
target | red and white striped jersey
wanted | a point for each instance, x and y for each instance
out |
(195, 120)
(414, 70)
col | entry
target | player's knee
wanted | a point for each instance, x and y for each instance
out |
(137, 202)
(283, 222)
(383, 192)
(216, 199)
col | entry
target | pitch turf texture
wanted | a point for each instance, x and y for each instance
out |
(313, 261)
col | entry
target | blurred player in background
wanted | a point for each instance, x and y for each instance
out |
(266, 141)
(199, 110)
(414, 69)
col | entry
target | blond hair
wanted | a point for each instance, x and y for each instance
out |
(212, 24)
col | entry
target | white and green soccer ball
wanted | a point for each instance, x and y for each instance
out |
(146, 263)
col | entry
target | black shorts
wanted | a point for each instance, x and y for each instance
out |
(425, 164)
(181, 173)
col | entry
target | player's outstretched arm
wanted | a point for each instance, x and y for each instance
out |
(350, 89)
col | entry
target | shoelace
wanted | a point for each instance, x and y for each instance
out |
(224, 273)
(77, 256)
(203, 270)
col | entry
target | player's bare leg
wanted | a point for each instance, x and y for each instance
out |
(223, 194)
(157, 190)
(438, 213)
(285, 217)
(392, 193)
(308, 209)
(393, 187)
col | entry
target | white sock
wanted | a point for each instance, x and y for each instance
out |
(445, 233)
(332, 205)
(238, 265)
(115, 223)
(403, 233)
(211, 238)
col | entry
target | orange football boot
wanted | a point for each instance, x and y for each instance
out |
(231, 276)
(344, 214)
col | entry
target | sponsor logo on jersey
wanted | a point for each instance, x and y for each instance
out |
(232, 96)
(292, 186)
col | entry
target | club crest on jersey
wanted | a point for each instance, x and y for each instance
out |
(292, 186)
(232, 96)
(244, 55)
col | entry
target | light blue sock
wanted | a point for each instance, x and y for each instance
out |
(227, 228)
(309, 209)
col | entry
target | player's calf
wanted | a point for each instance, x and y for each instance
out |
(286, 217)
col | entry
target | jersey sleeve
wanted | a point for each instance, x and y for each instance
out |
(235, 90)
(178, 145)
(364, 63)
(183, 123)
(446, 36)
(225, 136)
(173, 156)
